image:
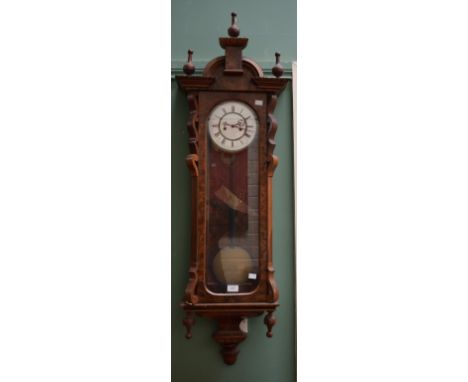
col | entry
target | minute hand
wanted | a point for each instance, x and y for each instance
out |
(238, 125)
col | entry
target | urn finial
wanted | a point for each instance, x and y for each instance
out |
(278, 68)
(233, 30)
(189, 68)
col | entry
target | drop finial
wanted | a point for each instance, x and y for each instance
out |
(189, 68)
(233, 30)
(278, 68)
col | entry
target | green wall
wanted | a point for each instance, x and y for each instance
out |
(270, 26)
(198, 24)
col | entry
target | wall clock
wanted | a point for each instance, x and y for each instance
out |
(231, 142)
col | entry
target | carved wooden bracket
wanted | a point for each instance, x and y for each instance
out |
(229, 335)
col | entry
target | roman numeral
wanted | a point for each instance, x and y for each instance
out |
(224, 110)
(233, 109)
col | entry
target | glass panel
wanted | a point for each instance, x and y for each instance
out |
(233, 220)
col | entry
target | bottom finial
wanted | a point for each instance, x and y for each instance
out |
(270, 321)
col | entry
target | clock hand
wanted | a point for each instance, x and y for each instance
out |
(231, 126)
(240, 124)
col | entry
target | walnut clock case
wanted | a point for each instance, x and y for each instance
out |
(231, 141)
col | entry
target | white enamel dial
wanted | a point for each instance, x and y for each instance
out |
(232, 126)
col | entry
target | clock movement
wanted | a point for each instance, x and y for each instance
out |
(231, 142)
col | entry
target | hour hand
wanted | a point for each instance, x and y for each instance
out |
(225, 124)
